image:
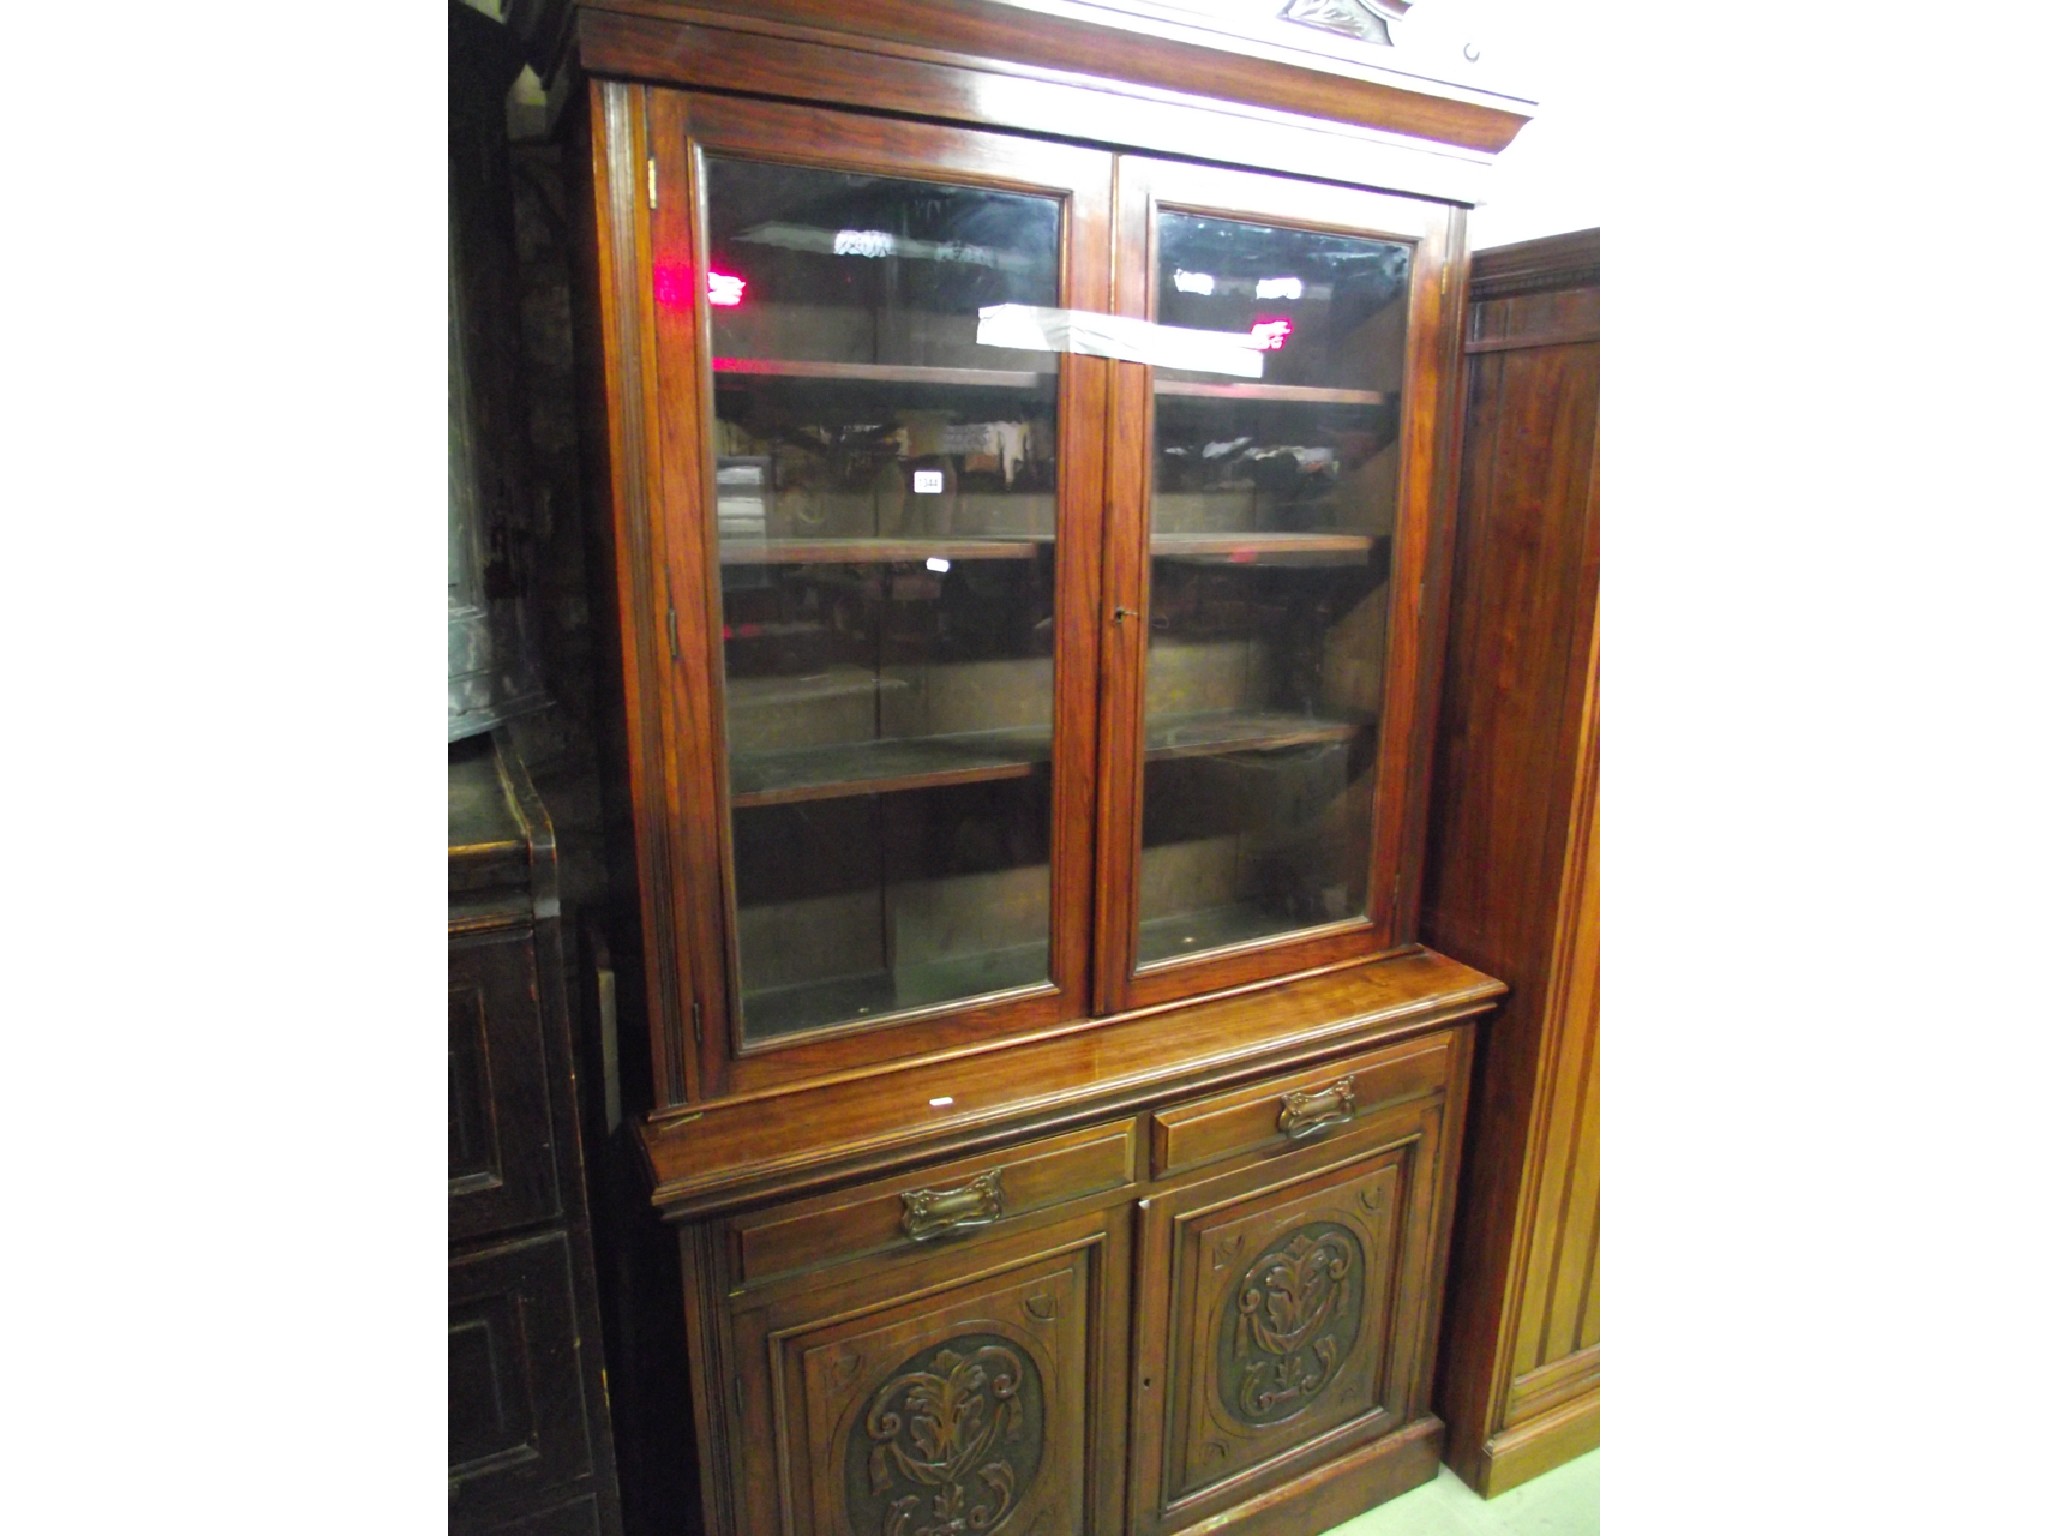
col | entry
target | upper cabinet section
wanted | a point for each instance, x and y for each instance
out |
(1382, 93)
(977, 688)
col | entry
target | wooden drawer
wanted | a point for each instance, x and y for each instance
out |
(518, 1424)
(501, 1155)
(1301, 1107)
(577, 1518)
(932, 1204)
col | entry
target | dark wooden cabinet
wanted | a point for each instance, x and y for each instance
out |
(1515, 862)
(529, 1435)
(501, 1174)
(1021, 436)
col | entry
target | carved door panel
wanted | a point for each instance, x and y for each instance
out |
(1285, 1306)
(977, 1389)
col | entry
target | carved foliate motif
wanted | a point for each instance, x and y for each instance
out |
(950, 1443)
(1365, 20)
(1290, 1323)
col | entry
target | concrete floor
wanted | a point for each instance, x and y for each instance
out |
(1562, 1502)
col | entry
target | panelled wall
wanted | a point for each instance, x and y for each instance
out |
(1513, 871)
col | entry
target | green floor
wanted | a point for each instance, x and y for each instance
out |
(1564, 1502)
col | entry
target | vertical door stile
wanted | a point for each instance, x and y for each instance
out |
(680, 441)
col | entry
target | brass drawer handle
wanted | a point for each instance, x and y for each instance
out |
(930, 1213)
(1304, 1113)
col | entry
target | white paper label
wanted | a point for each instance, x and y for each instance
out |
(1035, 328)
(928, 482)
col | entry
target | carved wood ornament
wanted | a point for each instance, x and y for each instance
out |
(1365, 20)
(1298, 1310)
(950, 1443)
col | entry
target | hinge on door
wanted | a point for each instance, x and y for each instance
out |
(653, 185)
(675, 648)
(1443, 279)
(697, 1021)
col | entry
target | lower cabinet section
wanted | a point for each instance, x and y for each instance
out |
(975, 1387)
(1242, 1339)
(1283, 1313)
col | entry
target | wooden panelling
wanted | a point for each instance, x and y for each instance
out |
(1565, 1245)
(1530, 1449)
(1513, 868)
(1548, 1386)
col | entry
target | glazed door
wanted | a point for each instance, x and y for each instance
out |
(1265, 552)
(895, 556)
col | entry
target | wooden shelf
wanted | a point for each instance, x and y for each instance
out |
(1210, 735)
(877, 994)
(735, 368)
(1300, 394)
(892, 764)
(1190, 933)
(884, 766)
(876, 551)
(1265, 548)
(832, 682)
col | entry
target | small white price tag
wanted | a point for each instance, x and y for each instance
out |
(928, 482)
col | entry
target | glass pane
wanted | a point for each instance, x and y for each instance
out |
(1273, 510)
(830, 267)
(1337, 304)
(885, 507)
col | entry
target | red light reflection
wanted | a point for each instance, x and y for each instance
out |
(1271, 335)
(672, 286)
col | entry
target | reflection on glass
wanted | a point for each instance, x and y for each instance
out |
(1337, 303)
(1273, 509)
(870, 269)
(885, 512)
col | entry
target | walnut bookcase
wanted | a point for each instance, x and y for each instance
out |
(1052, 1106)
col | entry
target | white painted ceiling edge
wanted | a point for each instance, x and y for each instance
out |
(1551, 179)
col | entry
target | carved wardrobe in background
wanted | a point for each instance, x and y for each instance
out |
(1022, 440)
(1514, 862)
